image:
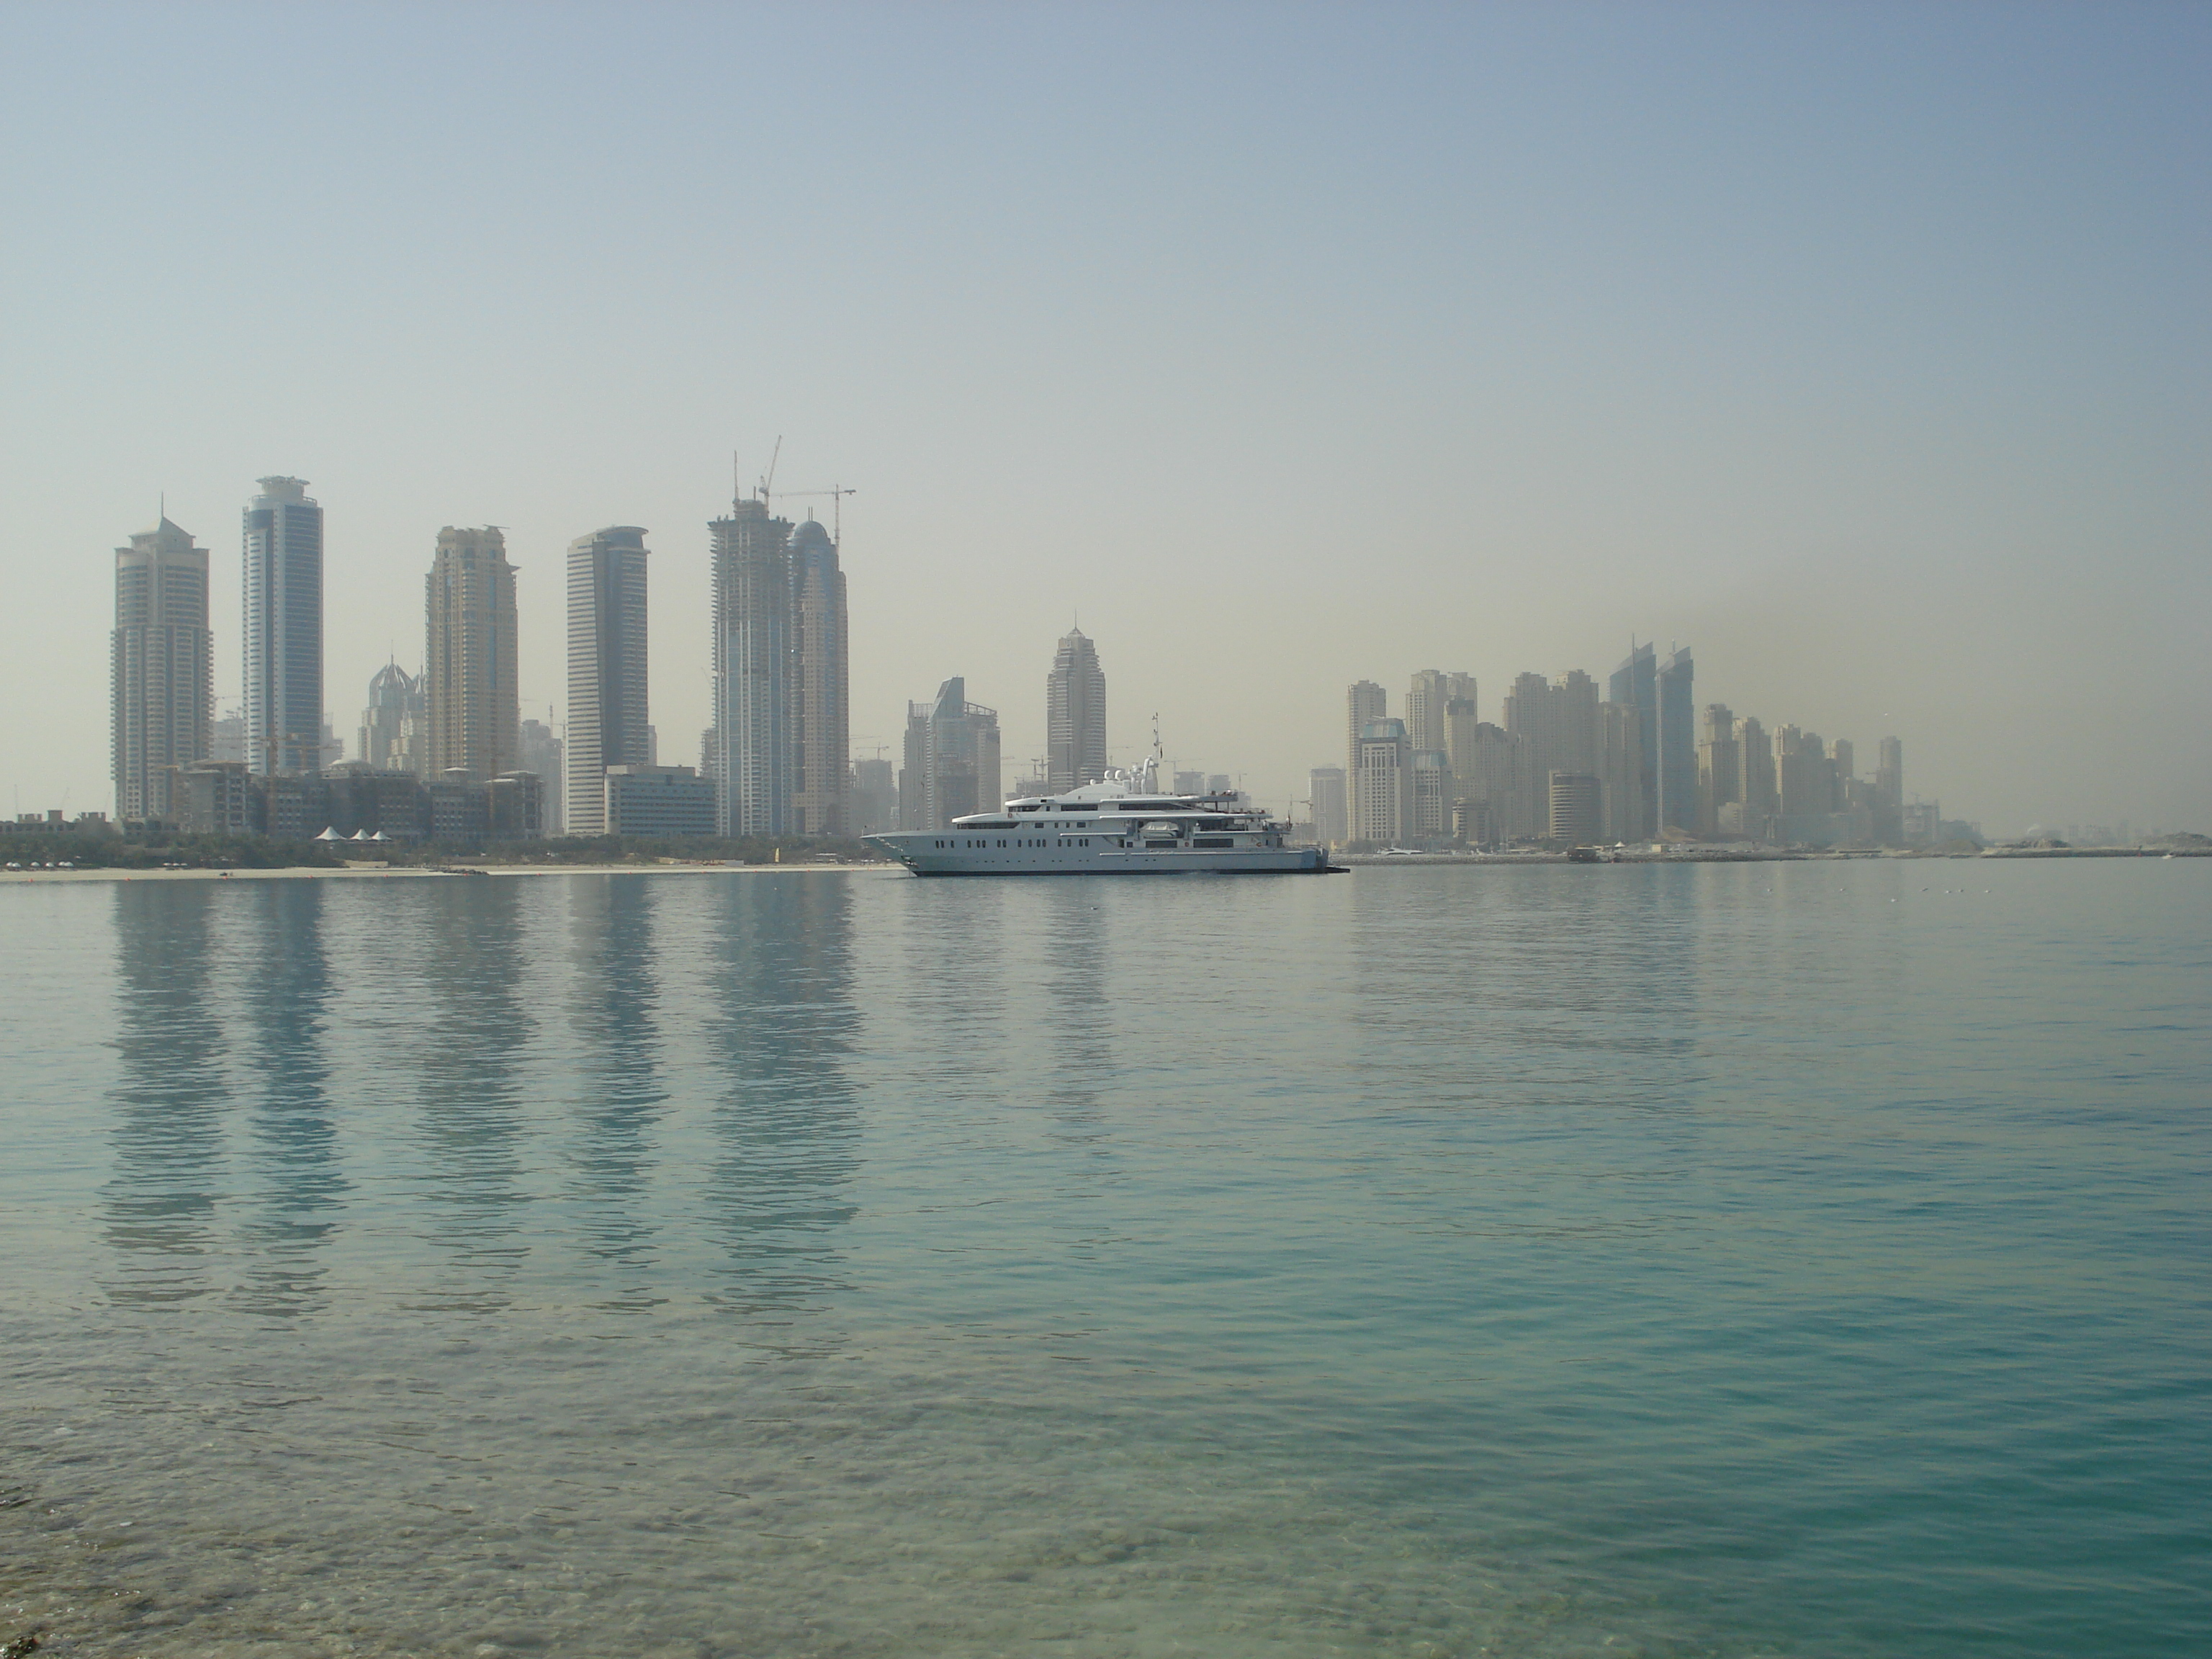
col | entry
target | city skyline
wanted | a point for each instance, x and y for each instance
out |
(1644, 764)
(1861, 346)
(1671, 716)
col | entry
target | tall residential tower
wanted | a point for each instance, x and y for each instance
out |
(1677, 770)
(752, 740)
(1635, 684)
(283, 629)
(161, 688)
(951, 760)
(468, 667)
(1075, 716)
(607, 714)
(392, 724)
(821, 687)
(778, 749)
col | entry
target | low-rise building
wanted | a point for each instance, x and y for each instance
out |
(214, 798)
(659, 800)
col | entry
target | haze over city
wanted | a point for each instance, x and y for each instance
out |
(1863, 350)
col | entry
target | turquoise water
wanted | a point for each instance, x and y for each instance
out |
(1798, 1258)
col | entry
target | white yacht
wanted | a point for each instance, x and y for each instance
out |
(1121, 827)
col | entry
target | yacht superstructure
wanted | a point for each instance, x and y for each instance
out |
(1121, 827)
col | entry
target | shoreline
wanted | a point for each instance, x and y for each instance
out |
(1355, 860)
(1765, 855)
(305, 872)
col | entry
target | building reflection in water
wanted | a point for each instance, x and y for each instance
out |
(293, 1188)
(784, 1122)
(469, 1078)
(613, 1016)
(159, 1203)
(1079, 1027)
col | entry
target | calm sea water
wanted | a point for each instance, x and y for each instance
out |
(1738, 1260)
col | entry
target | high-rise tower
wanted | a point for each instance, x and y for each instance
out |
(1889, 792)
(1075, 716)
(951, 760)
(391, 726)
(1365, 702)
(1678, 745)
(1635, 684)
(1383, 790)
(607, 714)
(283, 629)
(821, 682)
(469, 666)
(752, 622)
(160, 670)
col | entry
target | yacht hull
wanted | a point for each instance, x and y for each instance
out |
(916, 851)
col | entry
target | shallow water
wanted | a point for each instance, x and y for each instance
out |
(1734, 1260)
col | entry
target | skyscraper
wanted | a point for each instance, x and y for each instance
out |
(393, 733)
(1075, 716)
(1635, 684)
(1460, 723)
(873, 802)
(1332, 812)
(468, 662)
(951, 760)
(1678, 745)
(1383, 794)
(1620, 771)
(1719, 775)
(283, 629)
(1431, 800)
(607, 686)
(1364, 703)
(1574, 721)
(1756, 790)
(1487, 764)
(1803, 775)
(1889, 793)
(752, 622)
(161, 668)
(540, 755)
(821, 681)
(1427, 701)
(1528, 712)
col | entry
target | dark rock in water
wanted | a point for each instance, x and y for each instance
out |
(16, 1647)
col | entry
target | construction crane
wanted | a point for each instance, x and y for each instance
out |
(836, 509)
(768, 494)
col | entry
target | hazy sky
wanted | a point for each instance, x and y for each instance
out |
(1863, 347)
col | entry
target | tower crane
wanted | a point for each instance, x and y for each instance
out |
(837, 504)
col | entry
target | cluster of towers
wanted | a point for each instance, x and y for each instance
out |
(1640, 762)
(774, 763)
(162, 652)
(952, 764)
